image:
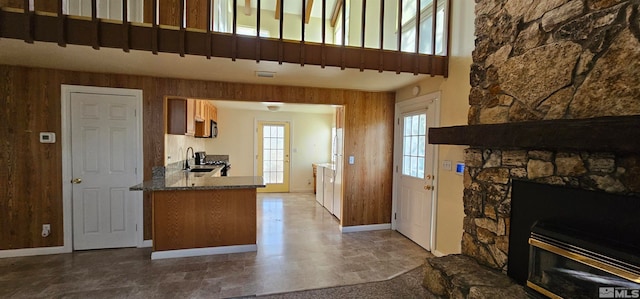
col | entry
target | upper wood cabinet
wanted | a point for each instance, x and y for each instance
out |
(180, 116)
(205, 113)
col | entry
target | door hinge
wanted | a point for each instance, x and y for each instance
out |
(135, 112)
(135, 170)
(395, 216)
(398, 121)
(396, 168)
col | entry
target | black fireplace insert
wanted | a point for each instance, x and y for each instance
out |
(598, 222)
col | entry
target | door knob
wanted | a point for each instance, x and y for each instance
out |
(429, 188)
(76, 181)
(430, 177)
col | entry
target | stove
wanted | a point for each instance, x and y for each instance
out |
(219, 162)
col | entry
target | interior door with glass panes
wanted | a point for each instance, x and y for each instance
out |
(415, 194)
(273, 155)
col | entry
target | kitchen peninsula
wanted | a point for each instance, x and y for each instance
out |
(197, 213)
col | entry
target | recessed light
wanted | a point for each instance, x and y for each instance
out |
(263, 74)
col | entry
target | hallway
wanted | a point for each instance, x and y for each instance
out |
(300, 247)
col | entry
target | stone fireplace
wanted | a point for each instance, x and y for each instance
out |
(547, 62)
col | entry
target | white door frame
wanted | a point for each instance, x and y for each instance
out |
(256, 121)
(65, 140)
(421, 102)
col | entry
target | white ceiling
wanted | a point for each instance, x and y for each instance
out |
(107, 60)
(282, 107)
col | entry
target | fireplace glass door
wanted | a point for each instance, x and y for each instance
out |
(558, 269)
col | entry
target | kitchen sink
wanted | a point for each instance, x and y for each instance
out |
(201, 169)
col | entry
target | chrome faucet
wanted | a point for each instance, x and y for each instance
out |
(186, 162)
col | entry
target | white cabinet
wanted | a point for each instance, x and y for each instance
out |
(320, 185)
(329, 176)
(337, 188)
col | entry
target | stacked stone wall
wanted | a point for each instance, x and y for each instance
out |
(547, 59)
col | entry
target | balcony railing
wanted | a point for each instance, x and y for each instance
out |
(393, 35)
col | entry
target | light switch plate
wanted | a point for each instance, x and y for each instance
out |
(446, 165)
(47, 137)
(352, 160)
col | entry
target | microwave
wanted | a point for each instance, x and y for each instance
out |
(214, 129)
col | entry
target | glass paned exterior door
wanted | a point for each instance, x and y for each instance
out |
(273, 155)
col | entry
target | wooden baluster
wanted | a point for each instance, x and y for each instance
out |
(280, 42)
(303, 19)
(323, 59)
(381, 53)
(258, 32)
(344, 30)
(28, 25)
(181, 37)
(399, 51)
(96, 24)
(416, 62)
(446, 68)
(154, 27)
(364, 16)
(209, 24)
(234, 37)
(125, 26)
(433, 36)
(62, 26)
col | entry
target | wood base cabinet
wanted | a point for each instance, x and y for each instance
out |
(184, 219)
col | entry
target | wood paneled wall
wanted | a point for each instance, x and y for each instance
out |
(30, 176)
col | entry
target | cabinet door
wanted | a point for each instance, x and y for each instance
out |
(320, 185)
(176, 116)
(328, 189)
(191, 123)
(199, 112)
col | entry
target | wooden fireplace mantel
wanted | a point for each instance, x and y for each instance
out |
(603, 134)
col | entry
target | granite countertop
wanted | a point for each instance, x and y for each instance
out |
(184, 180)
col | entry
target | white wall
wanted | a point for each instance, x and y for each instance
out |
(454, 108)
(310, 142)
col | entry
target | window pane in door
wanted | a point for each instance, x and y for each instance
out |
(414, 145)
(273, 154)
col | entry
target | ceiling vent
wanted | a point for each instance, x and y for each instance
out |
(262, 74)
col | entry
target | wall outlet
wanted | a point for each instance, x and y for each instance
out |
(46, 230)
(446, 165)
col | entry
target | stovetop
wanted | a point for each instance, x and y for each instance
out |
(219, 162)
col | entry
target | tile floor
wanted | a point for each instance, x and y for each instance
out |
(300, 247)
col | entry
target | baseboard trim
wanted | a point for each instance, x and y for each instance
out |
(364, 228)
(33, 251)
(438, 253)
(168, 254)
(301, 191)
(146, 243)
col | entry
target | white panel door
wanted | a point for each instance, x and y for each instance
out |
(415, 188)
(104, 158)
